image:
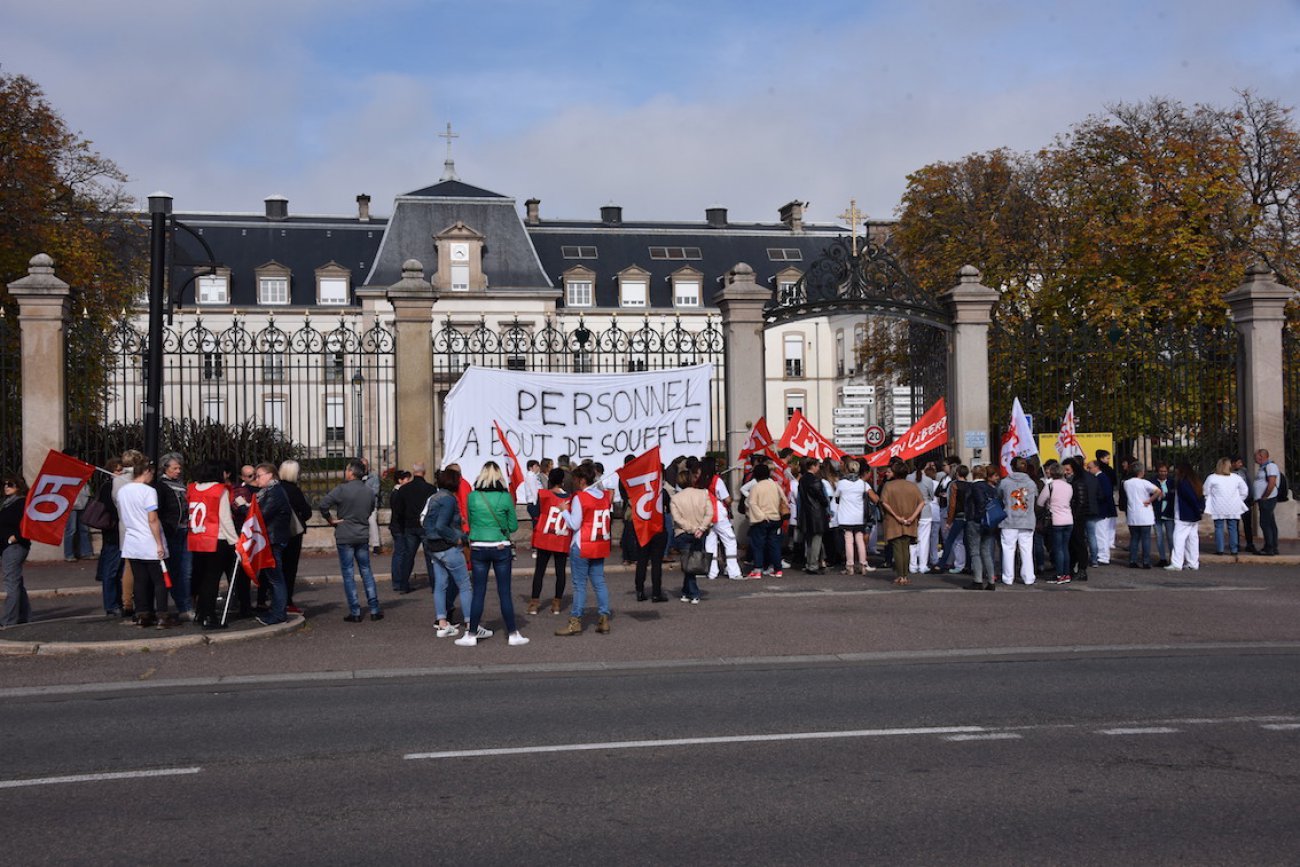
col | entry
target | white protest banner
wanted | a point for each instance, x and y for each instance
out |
(601, 416)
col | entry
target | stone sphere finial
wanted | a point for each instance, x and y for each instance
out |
(969, 274)
(412, 269)
(41, 263)
(1259, 271)
(741, 273)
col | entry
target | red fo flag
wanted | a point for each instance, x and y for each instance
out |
(929, 432)
(759, 438)
(643, 477)
(253, 546)
(780, 472)
(50, 498)
(513, 470)
(804, 439)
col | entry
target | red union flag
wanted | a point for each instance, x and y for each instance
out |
(929, 432)
(254, 547)
(513, 470)
(643, 478)
(50, 498)
(759, 438)
(780, 472)
(804, 439)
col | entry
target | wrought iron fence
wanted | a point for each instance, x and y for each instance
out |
(555, 346)
(1166, 390)
(11, 398)
(240, 391)
(1290, 390)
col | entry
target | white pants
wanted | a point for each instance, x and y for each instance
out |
(723, 531)
(1011, 540)
(374, 530)
(1105, 539)
(936, 532)
(1187, 545)
(919, 554)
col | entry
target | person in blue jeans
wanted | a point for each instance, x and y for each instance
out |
(274, 505)
(589, 517)
(108, 570)
(443, 538)
(354, 502)
(492, 520)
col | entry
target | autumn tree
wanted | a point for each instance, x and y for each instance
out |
(58, 196)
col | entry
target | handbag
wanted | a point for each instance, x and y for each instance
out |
(98, 516)
(696, 561)
(296, 527)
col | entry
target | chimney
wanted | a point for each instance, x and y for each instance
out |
(716, 215)
(533, 208)
(792, 215)
(611, 215)
(363, 208)
(277, 207)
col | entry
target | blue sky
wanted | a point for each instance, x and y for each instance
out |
(663, 107)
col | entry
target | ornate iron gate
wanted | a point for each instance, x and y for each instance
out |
(1290, 391)
(244, 391)
(572, 345)
(11, 397)
(1166, 390)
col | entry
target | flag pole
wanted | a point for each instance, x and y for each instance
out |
(230, 588)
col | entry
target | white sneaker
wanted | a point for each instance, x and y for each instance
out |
(483, 633)
(517, 640)
(695, 601)
(466, 640)
(686, 599)
(448, 631)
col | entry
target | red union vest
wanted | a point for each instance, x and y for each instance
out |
(205, 517)
(594, 537)
(551, 530)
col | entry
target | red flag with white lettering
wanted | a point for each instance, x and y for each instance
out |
(254, 546)
(643, 478)
(759, 438)
(780, 472)
(513, 470)
(805, 440)
(929, 432)
(50, 498)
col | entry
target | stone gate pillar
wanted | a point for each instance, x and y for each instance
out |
(1259, 313)
(412, 298)
(741, 301)
(43, 301)
(970, 304)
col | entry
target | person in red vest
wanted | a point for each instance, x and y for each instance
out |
(589, 518)
(211, 538)
(551, 538)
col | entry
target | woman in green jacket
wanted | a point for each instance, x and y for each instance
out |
(491, 521)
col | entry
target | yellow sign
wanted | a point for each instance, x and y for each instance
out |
(1089, 442)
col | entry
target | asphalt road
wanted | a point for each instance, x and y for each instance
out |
(1175, 758)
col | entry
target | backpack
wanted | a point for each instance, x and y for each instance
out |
(994, 514)
(1283, 489)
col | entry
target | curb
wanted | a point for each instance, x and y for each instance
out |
(146, 645)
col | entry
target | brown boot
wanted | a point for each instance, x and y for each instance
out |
(603, 625)
(534, 605)
(556, 604)
(574, 627)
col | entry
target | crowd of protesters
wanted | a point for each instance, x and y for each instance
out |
(168, 546)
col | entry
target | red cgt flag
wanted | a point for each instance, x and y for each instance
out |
(805, 440)
(929, 432)
(759, 439)
(253, 546)
(50, 498)
(643, 478)
(513, 469)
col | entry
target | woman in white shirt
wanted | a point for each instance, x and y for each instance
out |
(850, 499)
(1225, 500)
(143, 546)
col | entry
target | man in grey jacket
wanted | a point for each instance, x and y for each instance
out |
(1018, 493)
(354, 503)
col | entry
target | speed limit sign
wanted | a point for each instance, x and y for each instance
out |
(875, 436)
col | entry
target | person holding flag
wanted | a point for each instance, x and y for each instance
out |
(589, 518)
(551, 538)
(642, 478)
(211, 540)
(13, 551)
(143, 546)
(273, 503)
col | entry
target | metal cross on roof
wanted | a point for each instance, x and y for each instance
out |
(449, 165)
(853, 216)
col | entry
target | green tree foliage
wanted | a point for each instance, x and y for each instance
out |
(58, 196)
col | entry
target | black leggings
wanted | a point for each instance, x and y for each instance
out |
(652, 555)
(150, 587)
(539, 572)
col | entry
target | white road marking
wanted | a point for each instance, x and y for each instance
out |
(1281, 727)
(96, 778)
(1140, 730)
(690, 742)
(991, 736)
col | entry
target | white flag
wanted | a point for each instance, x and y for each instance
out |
(1018, 441)
(1067, 441)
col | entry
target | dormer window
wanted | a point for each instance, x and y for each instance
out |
(460, 260)
(333, 284)
(272, 284)
(459, 266)
(213, 288)
(634, 288)
(686, 287)
(579, 287)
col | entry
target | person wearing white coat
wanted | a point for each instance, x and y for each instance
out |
(1225, 501)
